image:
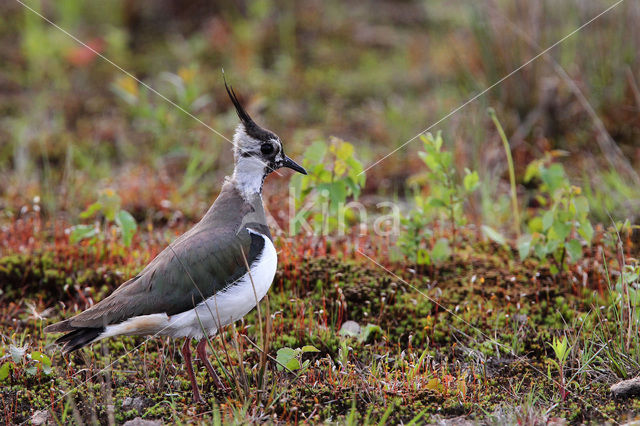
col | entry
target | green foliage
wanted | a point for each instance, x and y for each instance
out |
(561, 221)
(447, 193)
(363, 334)
(494, 235)
(19, 359)
(610, 195)
(174, 134)
(160, 116)
(4, 371)
(334, 176)
(167, 123)
(292, 358)
(44, 49)
(108, 205)
(561, 349)
(127, 225)
(41, 360)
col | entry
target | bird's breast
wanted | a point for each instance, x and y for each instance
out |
(235, 301)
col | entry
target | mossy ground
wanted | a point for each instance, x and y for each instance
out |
(466, 338)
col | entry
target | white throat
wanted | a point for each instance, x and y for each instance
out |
(248, 176)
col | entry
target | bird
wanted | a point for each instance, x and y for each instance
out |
(210, 276)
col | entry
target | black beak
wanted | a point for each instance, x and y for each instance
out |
(288, 162)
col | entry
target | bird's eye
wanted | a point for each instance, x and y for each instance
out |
(266, 148)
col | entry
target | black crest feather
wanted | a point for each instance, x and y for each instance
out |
(250, 126)
(242, 114)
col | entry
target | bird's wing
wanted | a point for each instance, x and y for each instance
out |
(193, 268)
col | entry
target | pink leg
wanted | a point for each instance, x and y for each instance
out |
(201, 349)
(186, 354)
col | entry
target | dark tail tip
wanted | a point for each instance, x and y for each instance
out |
(78, 338)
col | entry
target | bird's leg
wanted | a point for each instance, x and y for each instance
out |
(186, 354)
(201, 349)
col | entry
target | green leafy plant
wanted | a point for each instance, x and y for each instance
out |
(20, 358)
(363, 334)
(109, 205)
(562, 223)
(561, 350)
(292, 358)
(446, 193)
(335, 175)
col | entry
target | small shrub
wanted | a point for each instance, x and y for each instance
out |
(447, 194)
(561, 221)
(108, 205)
(561, 349)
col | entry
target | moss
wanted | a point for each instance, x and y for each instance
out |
(459, 342)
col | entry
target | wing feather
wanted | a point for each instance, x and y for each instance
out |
(180, 277)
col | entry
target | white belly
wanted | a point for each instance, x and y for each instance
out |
(217, 311)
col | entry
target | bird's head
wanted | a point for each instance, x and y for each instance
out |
(256, 149)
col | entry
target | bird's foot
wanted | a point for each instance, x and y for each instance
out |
(202, 355)
(197, 399)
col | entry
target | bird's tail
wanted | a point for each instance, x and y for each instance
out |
(75, 337)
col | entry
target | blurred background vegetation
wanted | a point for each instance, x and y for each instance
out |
(374, 73)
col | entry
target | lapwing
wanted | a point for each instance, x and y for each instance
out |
(200, 282)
